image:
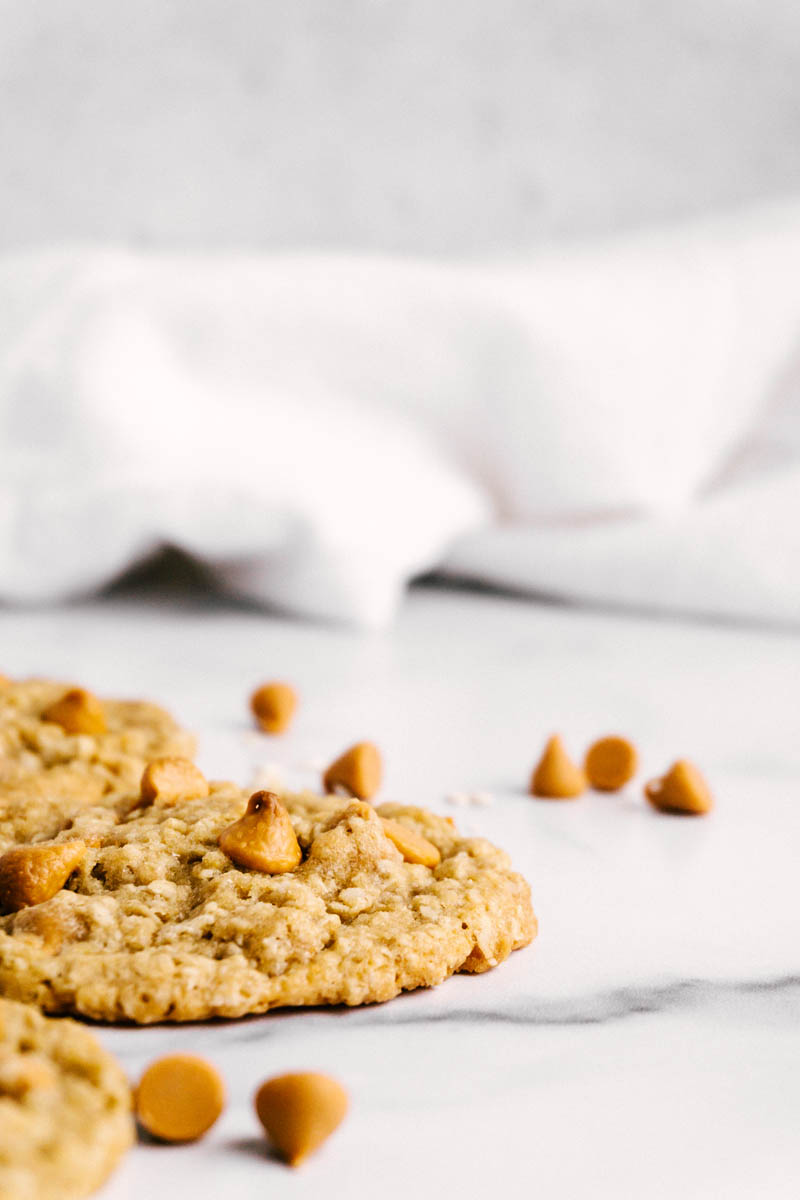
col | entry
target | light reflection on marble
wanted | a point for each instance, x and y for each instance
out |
(648, 1043)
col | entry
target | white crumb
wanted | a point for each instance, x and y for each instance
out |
(481, 799)
(459, 799)
(317, 765)
(268, 777)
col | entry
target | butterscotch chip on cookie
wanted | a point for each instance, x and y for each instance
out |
(169, 779)
(29, 875)
(65, 1108)
(59, 755)
(159, 923)
(413, 847)
(263, 839)
(77, 711)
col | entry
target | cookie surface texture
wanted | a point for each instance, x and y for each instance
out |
(158, 924)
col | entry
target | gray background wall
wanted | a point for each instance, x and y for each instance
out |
(445, 126)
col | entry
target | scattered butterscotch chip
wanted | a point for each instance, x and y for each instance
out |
(556, 776)
(358, 771)
(300, 1111)
(610, 763)
(78, 711)
(179, 1098)
(168, 780)
(273, 706)
(264, 838)
(412, 845)
(682, 790)
(32, 874)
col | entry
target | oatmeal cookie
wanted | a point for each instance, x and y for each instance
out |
(157, 923)
(65, 1108)
(47, 773)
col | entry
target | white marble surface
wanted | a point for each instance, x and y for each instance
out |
(648, 1043)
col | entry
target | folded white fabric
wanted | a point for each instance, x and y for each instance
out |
(150, 401)
(319, 429)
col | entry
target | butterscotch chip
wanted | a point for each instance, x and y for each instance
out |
(556, 776)
(682, 790)
(65, 1108)
(264, 838)
(273, 706)
(30, 875)
(169, 779)
(610, 763)
(412, 845)
(78, 711)
(53, 924)
(300, 1111)
(358, 771)
(179, 1098)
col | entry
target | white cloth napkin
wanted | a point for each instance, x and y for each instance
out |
(615, 422)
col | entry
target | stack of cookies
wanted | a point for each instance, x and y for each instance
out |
(133, 889)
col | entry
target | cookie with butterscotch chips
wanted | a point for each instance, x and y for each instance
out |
(221, 905)
(63, 750)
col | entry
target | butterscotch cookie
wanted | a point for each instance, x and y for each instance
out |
(158, 923)
(50, 770)
(65, 1108)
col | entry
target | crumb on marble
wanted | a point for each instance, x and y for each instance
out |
(268, 777)
(458, 799)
